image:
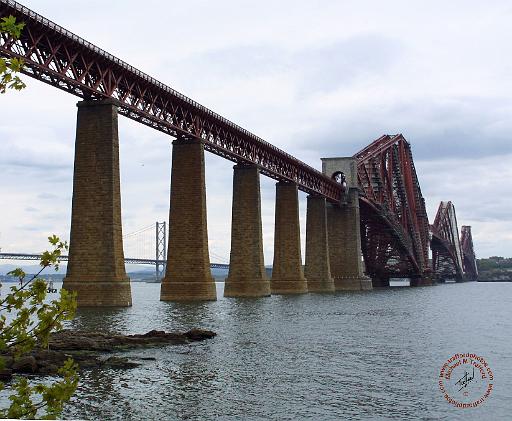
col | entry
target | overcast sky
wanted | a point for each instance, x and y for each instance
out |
(315, 78)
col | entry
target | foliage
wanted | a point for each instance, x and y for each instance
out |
(494, 263)
(26, 322)
(10, 67)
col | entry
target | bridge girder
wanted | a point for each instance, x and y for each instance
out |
(445, 243)
(394, 223)
(66, 61)
(468, 253)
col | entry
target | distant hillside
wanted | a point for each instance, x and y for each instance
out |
(495, 268)
(494, 262)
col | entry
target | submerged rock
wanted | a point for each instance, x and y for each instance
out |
(87, 349)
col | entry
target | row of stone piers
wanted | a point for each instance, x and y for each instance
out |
(96, 260)
(188, 275)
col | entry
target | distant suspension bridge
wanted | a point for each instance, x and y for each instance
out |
(145, 242)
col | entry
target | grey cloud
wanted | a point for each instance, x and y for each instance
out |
(31, 228)
(317, 69)
(341, 63)
(161, 207)
(48, 196)
(471, 127)
(33, 164)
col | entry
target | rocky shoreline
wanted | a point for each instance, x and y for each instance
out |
(88, 350)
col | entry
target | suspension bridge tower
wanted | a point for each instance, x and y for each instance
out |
(160, 249)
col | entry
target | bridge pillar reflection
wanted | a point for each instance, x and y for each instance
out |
(380, 281)
(247, 276)
(188, 276)
(287, 273)
(317, 269)
(421, 281)
(344, 228)
(96, 268)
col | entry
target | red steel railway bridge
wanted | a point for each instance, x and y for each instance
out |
(368, 204)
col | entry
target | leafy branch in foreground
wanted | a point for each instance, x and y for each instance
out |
(27, 320)
(9, 68)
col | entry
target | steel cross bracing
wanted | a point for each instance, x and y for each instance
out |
(160, 248)
(394, 223)
(445, 244)
(468, 254)
(127, 260)
(62, 59)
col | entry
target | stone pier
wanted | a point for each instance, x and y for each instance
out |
(287, 273)
(96, 260)
(247, 276)
(344, 228)
(317, 269)
(188, 276)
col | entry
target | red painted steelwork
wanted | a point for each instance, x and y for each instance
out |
(394, 223)
(62, 59)
(468, 254)
(445, 244)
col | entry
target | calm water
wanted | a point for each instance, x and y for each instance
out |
(361, 356)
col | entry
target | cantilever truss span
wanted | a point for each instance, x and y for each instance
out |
(445, 244)
(394, 223)
(62, 59)
(468, 254)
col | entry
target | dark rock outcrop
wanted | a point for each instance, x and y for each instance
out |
(88, 348)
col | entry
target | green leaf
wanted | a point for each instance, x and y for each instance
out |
(30, 324)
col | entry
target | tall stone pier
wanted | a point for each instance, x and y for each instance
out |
(247, 276)
(188, 276)
(344, 228)
(287, 273)
(318, 268)
(96, 260)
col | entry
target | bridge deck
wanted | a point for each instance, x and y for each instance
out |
(62, 59)
(127, 260)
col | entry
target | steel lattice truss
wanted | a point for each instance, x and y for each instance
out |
(62, 59)
(445, 244)
(394, 223)
(468, 253)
